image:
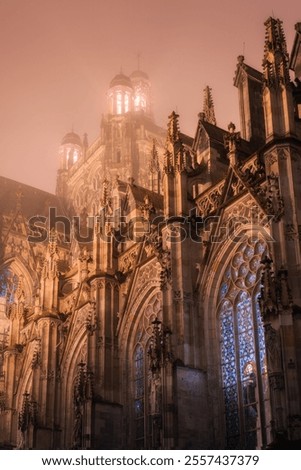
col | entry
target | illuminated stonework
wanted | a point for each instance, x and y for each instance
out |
(154, 301)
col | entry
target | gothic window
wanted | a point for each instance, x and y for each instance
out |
(139, 390)
(8, 284)
(146, 390)
(126, 102)
(75, 156)
(118, 103)
(243, 356)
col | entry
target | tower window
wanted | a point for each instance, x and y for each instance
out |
(126, 103)
(118, 103)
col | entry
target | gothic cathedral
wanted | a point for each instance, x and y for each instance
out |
(154, 302)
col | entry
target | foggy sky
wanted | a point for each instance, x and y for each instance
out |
(58, 57)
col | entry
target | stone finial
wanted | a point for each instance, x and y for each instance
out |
(147, 208)
(208, 114)
(231, 143)
(105, 192)
(154, 168)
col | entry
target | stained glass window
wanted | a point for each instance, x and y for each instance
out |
(8, 284)
(139, 395)
(243, 356)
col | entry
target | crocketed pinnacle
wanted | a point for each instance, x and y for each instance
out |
(173, 133)
(154, 160)
(275, 61)
(208, 106)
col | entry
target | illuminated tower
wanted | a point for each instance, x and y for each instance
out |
(120, 95)
(142, 87)
(70, 152)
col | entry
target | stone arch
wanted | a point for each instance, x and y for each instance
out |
(137, 330)
(74, 355)
(213, 278)
(29, 279)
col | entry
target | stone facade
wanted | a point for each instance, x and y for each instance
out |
(154, 302)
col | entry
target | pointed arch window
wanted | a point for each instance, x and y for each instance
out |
(243, 356)
(139, 391)
(8, 284)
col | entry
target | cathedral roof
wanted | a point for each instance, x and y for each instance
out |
(244, 68)
(139, 194)
(33, 201)
(71, 138)
(121, 79)
(139, 74)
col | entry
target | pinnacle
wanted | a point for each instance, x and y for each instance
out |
(208, 106)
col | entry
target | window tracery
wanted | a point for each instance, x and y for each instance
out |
(243, 356)
(145, 389)
(139, 395)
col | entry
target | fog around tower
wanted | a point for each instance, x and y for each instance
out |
(59, 57)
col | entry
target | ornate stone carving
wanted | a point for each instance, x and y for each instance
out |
(232, 140)
(128, 260)
(47, 375)
(291, 233)
(270, 197)
(209, 201)
(83, 392)
(36, 355)
(273, 347)
(271, 158)
(276, 381)
(283, 153)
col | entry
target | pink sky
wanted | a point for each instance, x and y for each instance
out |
(58, 57)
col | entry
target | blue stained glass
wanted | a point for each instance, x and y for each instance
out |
(250, 279)
(224, 289)
(254, 264)
(232, 423)
(231, 398)
(243, 269)
(260, 247)
(139, 408)
(240, 334)
(237, 260)
(260, 335)
(8, 284)
(248, 253)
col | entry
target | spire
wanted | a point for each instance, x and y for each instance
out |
(275, 61)
(105, 192)
(154, 168)
(208, 106)
(154, 160)
(173, 132)
(174, 157)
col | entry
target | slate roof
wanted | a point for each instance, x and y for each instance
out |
(33, 201)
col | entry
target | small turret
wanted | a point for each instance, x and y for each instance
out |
(71, 149)
(277, 90)
(120, 94)
(142, 87)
